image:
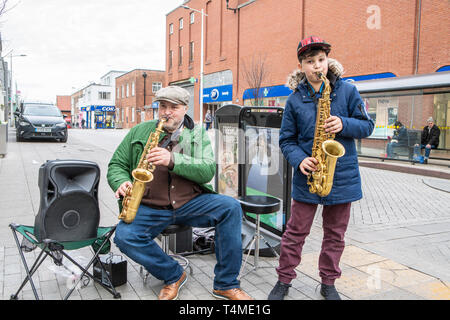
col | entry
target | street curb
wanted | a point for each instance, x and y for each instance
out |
(405, 169)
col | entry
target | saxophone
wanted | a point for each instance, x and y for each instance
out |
(141, 175)
(325, 149)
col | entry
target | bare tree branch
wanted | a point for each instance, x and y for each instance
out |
(255, 73)
(3, 7)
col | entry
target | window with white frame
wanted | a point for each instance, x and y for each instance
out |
(156, 86)
(192, 17)
(181, 23)
(123, 92)
(128, 90)
(171, 28)
(132, 89)
(132, 114)
(170, 58)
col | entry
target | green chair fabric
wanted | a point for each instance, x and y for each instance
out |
(56, 249)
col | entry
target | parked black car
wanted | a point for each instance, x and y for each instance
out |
(38, 120)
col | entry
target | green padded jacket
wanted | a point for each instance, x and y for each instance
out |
(193, 156)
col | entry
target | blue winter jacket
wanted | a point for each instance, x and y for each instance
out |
(297, 135)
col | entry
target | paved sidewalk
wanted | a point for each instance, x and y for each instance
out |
(398, 241)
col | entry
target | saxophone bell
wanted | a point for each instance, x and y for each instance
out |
(142, 175)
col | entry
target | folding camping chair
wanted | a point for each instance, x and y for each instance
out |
(56, 249)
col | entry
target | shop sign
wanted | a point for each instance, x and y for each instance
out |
(104, 108)
(87, 109)
(268, 92)
(218, 94)
(370, 77)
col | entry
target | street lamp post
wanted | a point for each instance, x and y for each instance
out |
(11, 91)
(202, 58)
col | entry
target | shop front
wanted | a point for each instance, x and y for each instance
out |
(273, 96)
(86, 119)
(153, 109)
(217, 91)
(216, 97)
(98, 117)
(104, 117)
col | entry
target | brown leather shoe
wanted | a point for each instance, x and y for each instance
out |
(231, 294)
(170, 291)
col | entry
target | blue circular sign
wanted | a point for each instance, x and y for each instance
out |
(214, 94)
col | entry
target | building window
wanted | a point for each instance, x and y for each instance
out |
(123, 92)
(132, 114)
(192, 17)
(191, 51)
(128, 90)
(156, 86)
(181, 24)
(170, 59)
(132, 89)
(171, 28)
(104, 95)
(180, 56)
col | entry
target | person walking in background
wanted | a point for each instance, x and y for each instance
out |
(429, 139)
(208, 119)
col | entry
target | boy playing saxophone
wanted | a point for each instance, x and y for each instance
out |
(348, 121)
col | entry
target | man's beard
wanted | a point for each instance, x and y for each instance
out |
(171, 126)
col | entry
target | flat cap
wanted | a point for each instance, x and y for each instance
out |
(173, 94)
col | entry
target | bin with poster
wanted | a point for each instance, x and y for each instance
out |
(263, 171)
(249, 162)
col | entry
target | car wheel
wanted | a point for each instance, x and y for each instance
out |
(19, 138)
(64, 139)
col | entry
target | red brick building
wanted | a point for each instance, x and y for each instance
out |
(64, 104)
(371, 39)
(135, 91)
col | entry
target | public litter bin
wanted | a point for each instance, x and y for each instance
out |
(3, 139)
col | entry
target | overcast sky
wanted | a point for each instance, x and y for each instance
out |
(70, 43)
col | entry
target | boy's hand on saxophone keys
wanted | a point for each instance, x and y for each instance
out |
(308, 165)
(159, 156)
(333, 124)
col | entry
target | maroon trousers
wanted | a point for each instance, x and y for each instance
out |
(335, 222)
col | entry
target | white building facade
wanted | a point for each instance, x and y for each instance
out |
(95, 103)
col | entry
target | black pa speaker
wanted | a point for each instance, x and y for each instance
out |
(68, 208)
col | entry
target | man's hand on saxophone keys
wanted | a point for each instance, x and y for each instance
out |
(159, 157)
(122, 190)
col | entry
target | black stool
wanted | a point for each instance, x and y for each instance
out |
(171, 229)
(258, 205)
